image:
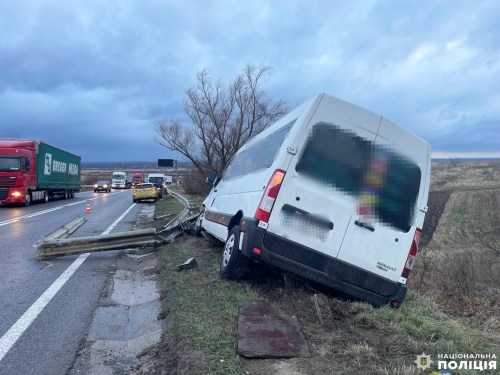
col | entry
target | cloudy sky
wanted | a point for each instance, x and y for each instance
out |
(94, 76)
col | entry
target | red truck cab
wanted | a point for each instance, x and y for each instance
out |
(32, 170)
(17, 170)
(138, 179)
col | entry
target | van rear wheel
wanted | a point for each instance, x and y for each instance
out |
(233, 263)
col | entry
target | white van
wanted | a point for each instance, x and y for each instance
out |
(331, 193)
(156, 177)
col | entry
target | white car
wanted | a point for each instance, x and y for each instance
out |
(331, 193)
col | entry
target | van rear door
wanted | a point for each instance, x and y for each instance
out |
(310, 209)
(393, 194)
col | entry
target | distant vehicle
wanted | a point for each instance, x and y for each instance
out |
(121, 180)
(161, 178)
(168, 180)
(145, 191)
(331, 193)
(102, 186)
(138, 179)
(32, 170)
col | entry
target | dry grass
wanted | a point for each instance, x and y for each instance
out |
(465, 175)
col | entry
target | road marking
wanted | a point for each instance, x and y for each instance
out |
(111, 227)
(15, 332)
(10, 221)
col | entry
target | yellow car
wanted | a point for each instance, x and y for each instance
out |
(145, 191)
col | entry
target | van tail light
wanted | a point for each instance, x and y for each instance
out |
(410, 261)
(270, 193)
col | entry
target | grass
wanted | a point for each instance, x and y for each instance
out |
(420, 321)
(205, 313)
(206, 308)
(169, 205)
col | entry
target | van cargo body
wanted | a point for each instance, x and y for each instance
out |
(331, 193)
(32, 170)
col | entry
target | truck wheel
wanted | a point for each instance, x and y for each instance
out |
(233, 263)
(70, 194)
(46, 196)
(27, 201)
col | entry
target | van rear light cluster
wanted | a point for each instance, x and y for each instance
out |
(267, 201)
(410, 261)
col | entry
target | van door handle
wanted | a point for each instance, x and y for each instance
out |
(215, 191)
(363, 225)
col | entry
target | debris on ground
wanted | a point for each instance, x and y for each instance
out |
(188, 264)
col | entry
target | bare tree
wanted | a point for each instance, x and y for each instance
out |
(223, 117)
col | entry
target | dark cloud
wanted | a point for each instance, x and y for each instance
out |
(93, 77)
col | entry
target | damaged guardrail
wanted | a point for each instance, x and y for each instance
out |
(54, 248)
(65, 231)
(53, 245)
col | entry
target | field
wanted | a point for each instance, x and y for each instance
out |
(452, 307)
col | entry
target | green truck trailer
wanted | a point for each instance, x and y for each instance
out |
(32, 170)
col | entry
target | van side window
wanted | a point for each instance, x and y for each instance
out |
(387, 182)
(259, 155)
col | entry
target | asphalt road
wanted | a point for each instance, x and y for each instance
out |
(49, 345)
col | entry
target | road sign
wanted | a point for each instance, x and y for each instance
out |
(166, 163)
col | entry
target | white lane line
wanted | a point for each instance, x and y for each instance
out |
(45, 211)
(8, 222)
(111, 227)
(14, 333)
(42, 212)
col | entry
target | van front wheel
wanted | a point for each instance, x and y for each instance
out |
(233, 263)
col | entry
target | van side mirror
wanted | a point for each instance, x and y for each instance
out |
(27, 164)
(212, 176)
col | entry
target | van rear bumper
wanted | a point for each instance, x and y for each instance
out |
(318, 267)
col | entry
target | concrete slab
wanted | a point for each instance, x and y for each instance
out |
(265, 331)
(124, 323)
(148, 263)
(132, 288)
(107, 356)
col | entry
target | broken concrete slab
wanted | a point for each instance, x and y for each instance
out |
(120, 323)
(107, 355)
(265, 331)
(132, 288)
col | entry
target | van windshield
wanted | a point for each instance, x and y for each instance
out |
(155, 179)
(385, 182)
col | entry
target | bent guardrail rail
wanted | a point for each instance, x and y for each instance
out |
(65, 231)
(53, 245)
(54, 248)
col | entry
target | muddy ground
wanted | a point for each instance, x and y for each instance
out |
(436, 203)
